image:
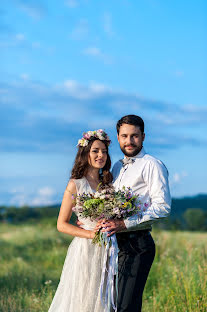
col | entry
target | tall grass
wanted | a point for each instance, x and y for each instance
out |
(178, 278)
(32, 256)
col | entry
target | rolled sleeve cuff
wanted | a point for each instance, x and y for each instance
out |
(131, 222)
(135, 222)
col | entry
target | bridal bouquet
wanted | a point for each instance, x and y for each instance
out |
(106, 203)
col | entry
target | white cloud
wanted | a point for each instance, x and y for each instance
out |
(47, 112)
(179, 73)
(98, 87)
(105, 123)
(20, 37)
(33, 8)
(71, 85)
(81, 30)
(3, 91)
(39, 201)
(17, 189)
(178, 177)
(19, 200)
(191, 108)
(93, 51)
(71, 3)
(80, 91)
(46, 191)
(20, 40)
(76, 90)
(107, 24)
(97, 53)
(24, 76)
(13, 41)
(166, 119)
(43, 196)
(36, 45)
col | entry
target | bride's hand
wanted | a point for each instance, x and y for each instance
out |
(79, 223)
(92, 234)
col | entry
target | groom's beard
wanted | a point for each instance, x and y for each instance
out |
(133, 152)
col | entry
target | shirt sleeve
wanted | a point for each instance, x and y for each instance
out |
(155, 175)
(113, 170)
(116, 170)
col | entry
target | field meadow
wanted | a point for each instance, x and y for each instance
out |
(32, 256)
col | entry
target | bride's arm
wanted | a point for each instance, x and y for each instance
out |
(66, 212)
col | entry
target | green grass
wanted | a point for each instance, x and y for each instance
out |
(32, 256)
(178, 278)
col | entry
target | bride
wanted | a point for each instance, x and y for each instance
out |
(80, 282)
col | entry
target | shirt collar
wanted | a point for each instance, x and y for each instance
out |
(139, 155)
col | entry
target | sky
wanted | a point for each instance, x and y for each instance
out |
(70, 66)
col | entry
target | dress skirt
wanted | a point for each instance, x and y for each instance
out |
(79, 286)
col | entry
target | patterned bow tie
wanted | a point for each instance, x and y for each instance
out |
(127, 161)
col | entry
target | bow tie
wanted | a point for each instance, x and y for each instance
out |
(127, 161)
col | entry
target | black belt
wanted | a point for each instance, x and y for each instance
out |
(132, 234)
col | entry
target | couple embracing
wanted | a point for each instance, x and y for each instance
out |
(79, 289)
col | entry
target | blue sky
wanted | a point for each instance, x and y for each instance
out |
(77, 65)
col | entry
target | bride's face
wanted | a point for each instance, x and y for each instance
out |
(98, 155)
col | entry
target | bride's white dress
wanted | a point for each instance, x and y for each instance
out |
(79, 286)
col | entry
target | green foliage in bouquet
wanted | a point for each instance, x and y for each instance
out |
(93, 204)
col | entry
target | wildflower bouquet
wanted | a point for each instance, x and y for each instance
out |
(106, 203)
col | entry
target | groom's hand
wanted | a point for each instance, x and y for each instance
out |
(79, 223)
(112, 226)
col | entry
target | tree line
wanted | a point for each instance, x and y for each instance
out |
(189, 213)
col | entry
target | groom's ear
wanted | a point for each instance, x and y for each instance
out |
(117, 137)
(143, 136)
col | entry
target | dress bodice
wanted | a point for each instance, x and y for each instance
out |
(82, 185)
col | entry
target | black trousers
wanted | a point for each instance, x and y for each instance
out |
(137, 251)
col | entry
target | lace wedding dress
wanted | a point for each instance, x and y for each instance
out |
(79, 286)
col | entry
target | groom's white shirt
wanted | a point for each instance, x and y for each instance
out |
(148, 178)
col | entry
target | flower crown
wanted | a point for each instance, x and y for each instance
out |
(98, 134)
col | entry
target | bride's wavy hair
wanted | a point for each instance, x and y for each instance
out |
(81, 164)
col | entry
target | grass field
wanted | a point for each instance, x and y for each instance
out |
(32, 256)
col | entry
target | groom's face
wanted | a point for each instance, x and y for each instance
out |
(130, 139)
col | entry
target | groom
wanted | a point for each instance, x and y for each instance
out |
(148, 178)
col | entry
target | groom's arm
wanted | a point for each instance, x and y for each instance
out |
(156, 178)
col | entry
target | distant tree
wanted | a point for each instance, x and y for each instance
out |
(16, 215)
(2, 212)
(195, 219)
(176, 224)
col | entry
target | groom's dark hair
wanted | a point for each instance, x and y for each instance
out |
(131, 120)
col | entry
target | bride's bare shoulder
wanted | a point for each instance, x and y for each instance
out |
(71, 187)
